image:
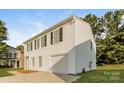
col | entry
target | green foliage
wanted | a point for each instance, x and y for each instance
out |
(109, 34)
(3, 35)
(2, 61)
(3, 31)
(115, 74)
(20, 47)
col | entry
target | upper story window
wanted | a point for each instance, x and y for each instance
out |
(44, 41)
(29, 47)
(10, 55)
(58, 35)
(38, 43)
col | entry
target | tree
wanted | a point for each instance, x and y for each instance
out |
(3, 32)
(96, 24)
(114, 36)
(20, 47)
(3, 36)
(109, 34)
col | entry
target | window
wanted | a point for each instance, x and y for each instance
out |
(51, 38)
(58, 35)
(90, 65)
(27, 62)
(10, 55)
(38, 43)
(44, 41)
(29, 47)
(33, 61)
(7, 55)
(40, 61)
(15, 55)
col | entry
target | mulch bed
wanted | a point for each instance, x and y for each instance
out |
(26, 71)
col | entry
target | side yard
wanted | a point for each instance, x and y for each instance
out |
(4, 71)
(103, 74)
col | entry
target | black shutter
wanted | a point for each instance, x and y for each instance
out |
(45, 40)
(61, 34)
(31, 46)
(51, 38)
(35, 44)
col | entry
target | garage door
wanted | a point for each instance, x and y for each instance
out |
(59, 64)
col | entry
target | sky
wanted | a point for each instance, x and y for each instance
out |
(25, 23)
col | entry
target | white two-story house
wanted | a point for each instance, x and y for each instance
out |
(68, 47)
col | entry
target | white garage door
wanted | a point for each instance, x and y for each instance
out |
(59, 64)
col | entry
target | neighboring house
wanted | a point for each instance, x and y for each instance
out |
(14, 58)
(67, 47)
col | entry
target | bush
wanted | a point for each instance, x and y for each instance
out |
(121, 61)
(2, 62)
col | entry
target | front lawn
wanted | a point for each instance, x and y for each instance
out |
(4, 71)
(103, 74)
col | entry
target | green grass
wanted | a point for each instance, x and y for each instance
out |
(4, 71)
(111, 67)
(103, 74)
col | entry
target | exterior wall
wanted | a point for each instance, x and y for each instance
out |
(59, 48)
(76, 45)
(59, 64)
(20, 58)
(83, 52)
(12, 60)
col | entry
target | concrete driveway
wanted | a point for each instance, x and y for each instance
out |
(35, 77)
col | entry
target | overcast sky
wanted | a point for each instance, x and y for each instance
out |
(23, 24)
